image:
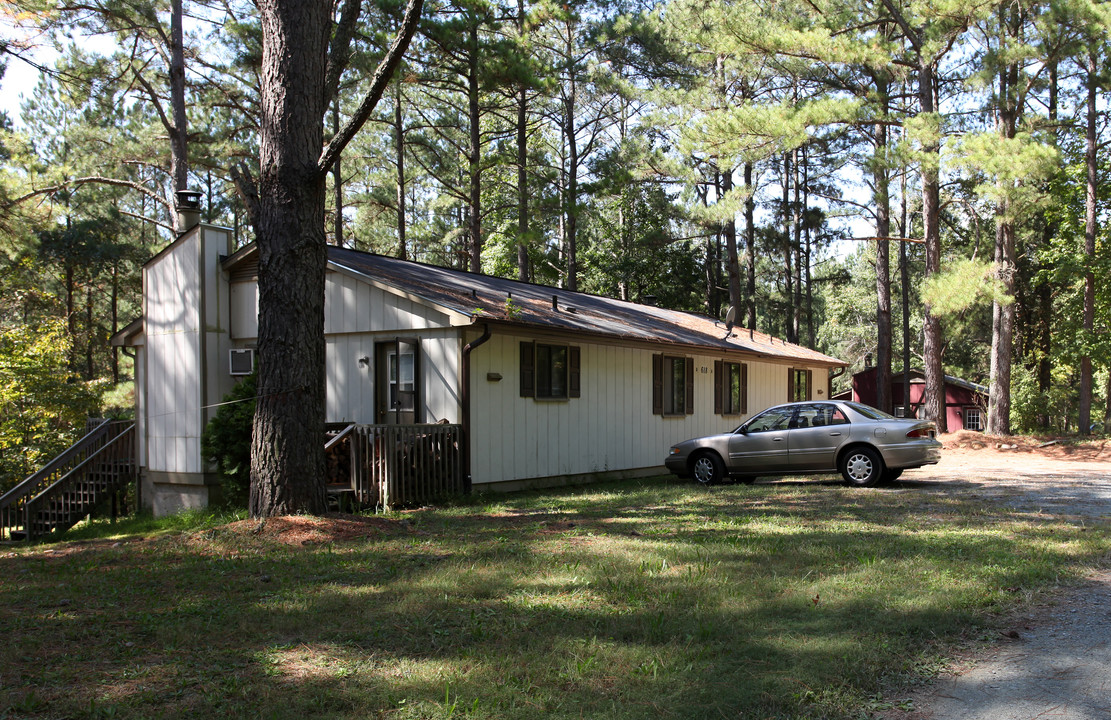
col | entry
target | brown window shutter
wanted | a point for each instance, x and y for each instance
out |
(528, 369)
(744, 389)
(574, 376)
(657, 385)
(809, 384)
(720, 384)
(790, 384)
(690, 386)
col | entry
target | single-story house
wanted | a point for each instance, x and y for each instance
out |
(551, 386)
(965, 402)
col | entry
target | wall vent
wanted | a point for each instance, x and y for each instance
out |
(242, 361)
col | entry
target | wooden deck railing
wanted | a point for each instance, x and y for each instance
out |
(72, 484)
(394, 465)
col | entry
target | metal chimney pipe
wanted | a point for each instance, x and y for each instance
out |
(188, 210)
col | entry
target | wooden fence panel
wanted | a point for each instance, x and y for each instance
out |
(395, 465)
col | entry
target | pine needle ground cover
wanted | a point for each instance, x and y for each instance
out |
(630, 600)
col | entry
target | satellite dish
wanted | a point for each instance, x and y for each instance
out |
(730, 316)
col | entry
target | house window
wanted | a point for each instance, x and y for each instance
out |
(973, 420)
(799, 384)
(550, 372)
(730, 388)
(672, 385)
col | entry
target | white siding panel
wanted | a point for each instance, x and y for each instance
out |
(350, 388)
(244, 310)
(355, 306)
(611, 427)
(172, 328)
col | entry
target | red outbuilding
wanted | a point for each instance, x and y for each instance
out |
(965, 402)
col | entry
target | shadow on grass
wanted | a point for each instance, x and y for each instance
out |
(619, 601)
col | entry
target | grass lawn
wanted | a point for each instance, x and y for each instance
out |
(641, 599)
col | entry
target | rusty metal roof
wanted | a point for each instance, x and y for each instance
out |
(511, 302)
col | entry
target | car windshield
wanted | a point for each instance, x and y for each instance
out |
(775, 418)
(870, 412)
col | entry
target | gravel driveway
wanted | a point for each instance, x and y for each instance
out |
(1056, 662)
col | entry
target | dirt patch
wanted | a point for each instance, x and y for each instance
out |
(1053, 448)
(310, 530)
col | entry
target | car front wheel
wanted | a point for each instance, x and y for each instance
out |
(861, 467)
(708, 469)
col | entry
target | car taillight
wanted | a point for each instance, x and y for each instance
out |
(920, 433)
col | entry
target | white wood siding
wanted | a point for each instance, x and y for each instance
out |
(172, 326)
(185, 353)
(611, 427)
(244, 310)
(351, 305)
(351, 385)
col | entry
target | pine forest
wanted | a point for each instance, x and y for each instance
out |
(904, 183)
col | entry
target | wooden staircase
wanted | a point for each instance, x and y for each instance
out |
(71, 485)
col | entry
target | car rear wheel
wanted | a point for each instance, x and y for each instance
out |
(708, 469)
(861, 467)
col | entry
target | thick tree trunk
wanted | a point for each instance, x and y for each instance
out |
(1002, 331)
(571, 199)
(732, 262)
(933, 405)
(522, 164)
(288, 439)
(1090, 228)
(750, 249)
(399, 148)
(788, 270)
(808, 259)
(881, 183)
(474, 152)
(1003, 314)
(796, 241)
(1044, 330)
(904, 290)
(179, 132)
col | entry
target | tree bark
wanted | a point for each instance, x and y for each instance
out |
(179, 129)
(571, 198)
(750, 249)
(933, 405)
(399, 149)
(732, 262)
(474, 151)
(881, 182)
(287, 474)
(1044, 289)
(904, 289)
(1090, 229)
(788, 271)
(522, 163)
(1003, 313)
(796, 236)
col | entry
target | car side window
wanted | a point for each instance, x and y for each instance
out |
(776, 419)
(828, 415)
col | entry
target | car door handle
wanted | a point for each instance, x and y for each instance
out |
(835, 434)
(778, 439)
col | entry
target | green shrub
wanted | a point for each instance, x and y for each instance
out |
(227, 441)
